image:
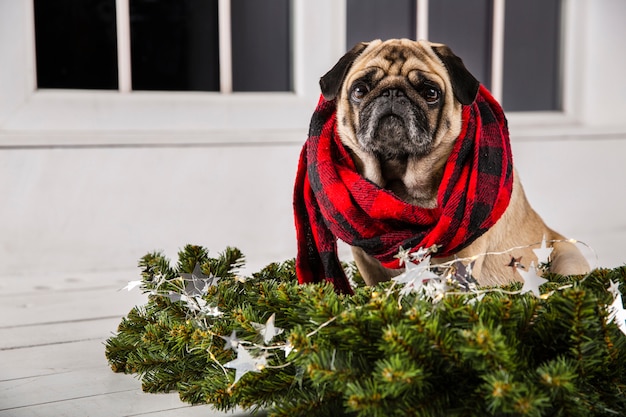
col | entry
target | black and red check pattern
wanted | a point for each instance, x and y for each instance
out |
(333, 201)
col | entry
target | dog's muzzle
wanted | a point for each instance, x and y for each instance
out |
(392, 126)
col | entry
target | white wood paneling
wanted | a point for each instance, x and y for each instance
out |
(50, 368)
(57, 358)
(61, 306)
(36, 335)
(131, 403)
(82, 209)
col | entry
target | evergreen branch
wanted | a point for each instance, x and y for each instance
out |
(493, 352)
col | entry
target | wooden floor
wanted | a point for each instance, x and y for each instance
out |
(52, 333)
(52, 362)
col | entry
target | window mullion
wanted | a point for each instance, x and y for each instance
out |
(422, 19)
(497, 49)
(225, 47)
(123, 45)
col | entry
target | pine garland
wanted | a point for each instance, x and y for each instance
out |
(374, 353)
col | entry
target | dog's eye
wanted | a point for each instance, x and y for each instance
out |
(430, 93)
(359, 91)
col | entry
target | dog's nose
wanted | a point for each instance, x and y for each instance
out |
(393, 92)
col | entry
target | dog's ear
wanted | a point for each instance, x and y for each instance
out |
(331, 82)
(464, 85)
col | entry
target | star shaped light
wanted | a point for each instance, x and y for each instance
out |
(614, 288)
(194, 304)
(406, 256)
(267, 330)
(435, 289)
(287, 348)
(532, 281)
(200, 305)
(543, 253)
(462, 274)
(617, 312)
(414, 276)
(421, 253)
(479, 297)
(212, 311)
(132, 285)
(198, 282)
(245, 363)
(515, 262)
(175, 297)
(402, 256)
(231, 341)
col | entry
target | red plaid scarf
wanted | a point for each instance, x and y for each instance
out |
(332, 200)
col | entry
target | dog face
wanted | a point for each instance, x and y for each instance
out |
(399, 111)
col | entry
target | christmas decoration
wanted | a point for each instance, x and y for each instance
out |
(132, 285)
(543, 253)
(616, 309)
(429, 343)
(267, 331)
(197, 282)
(231, 341)
(246, 363)
(532, 281)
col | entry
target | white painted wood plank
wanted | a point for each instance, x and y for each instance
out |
(51, 359)
(12, 285)
(46, 389)
(127, 404)
(50, 307)
(95, 392)
(54, 333)
(197, 411)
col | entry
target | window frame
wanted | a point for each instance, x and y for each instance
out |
(32, 117)
(533, 122)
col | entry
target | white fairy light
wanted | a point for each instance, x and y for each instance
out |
(532, 281)
(543, 253)
(245, 363)
(267, 330)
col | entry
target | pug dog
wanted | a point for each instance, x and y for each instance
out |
(406, 153)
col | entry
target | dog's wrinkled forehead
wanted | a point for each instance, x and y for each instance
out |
(398, 57)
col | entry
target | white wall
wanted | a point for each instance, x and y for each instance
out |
(84, 209)
(577, 186)
(603, 90)
(73, 209)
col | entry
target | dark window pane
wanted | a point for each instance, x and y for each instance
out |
(261, 46)
(465, 26)
(380, 19)
(174, 45)
(532, 55)
(76, 45)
